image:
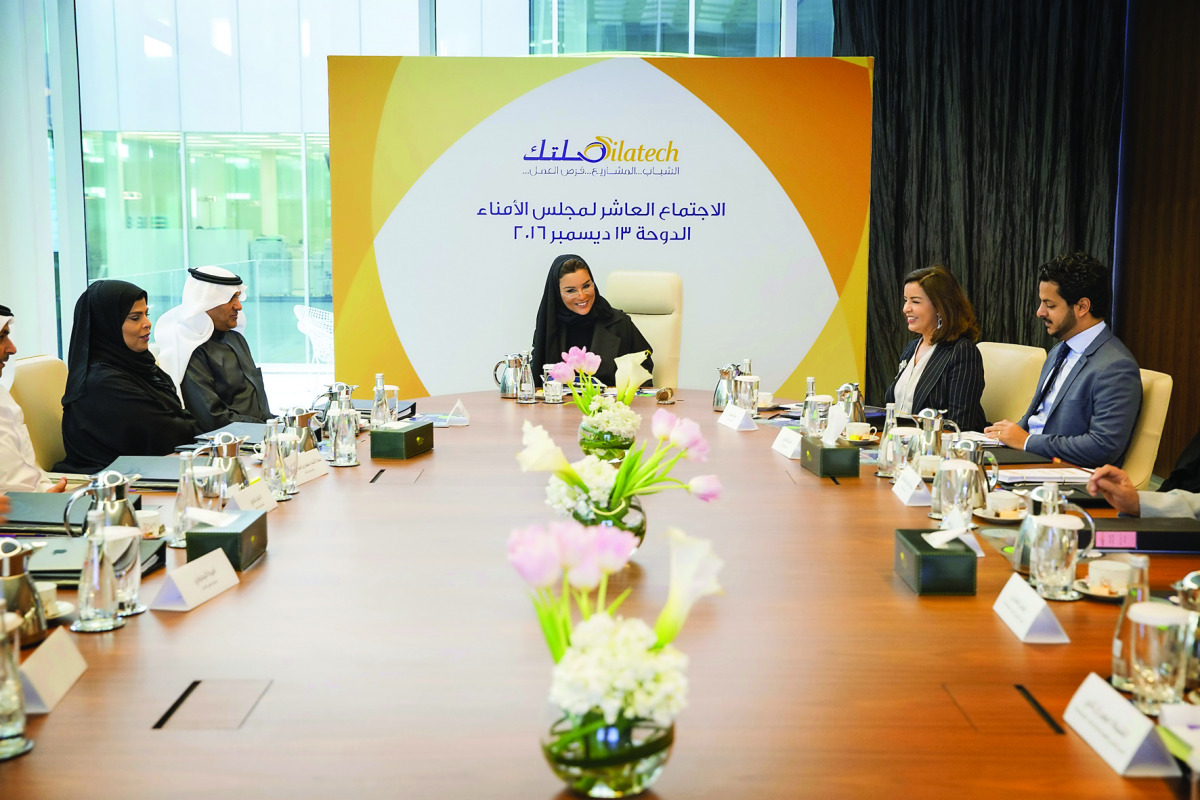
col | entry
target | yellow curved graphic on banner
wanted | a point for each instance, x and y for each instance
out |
(389, 120)
(822, 161)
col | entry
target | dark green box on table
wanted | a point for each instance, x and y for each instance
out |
(244, 540)
(405, 441)
(828, 462)
(929, 570)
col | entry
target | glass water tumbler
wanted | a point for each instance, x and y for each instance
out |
(97, 583)
(12, 697)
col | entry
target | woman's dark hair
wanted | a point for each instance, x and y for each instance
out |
(1078, 275)
(949, 301)
(571, 266)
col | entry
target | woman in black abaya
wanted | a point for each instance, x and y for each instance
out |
(573, 314)
(118, 402)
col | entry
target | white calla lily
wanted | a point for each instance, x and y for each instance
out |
(541, 454)
(631, 374)
(694, 568)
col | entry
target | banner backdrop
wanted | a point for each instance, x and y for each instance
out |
(456, 182)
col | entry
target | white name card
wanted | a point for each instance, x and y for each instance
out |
(50, 672)
(1118, 732)
(737, 418)
(1027, 614)
(911, 489)
(255, 497)
(789, 442)
(196, 582)
(311, 465)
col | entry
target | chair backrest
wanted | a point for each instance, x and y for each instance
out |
(1010, 373)
(1147, 431)
(38, 386)
(317, 325)
(654, 301)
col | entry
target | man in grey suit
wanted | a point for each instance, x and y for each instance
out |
(1090, 391)
(1120, 493)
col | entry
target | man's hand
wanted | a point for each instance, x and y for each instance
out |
(1009, 433)
(59, 487)
(1117, 489)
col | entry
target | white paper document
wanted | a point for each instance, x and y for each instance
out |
(1120, 734)
(1056, 474)
(1027, 614)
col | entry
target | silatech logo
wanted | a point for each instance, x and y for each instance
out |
(605, 149)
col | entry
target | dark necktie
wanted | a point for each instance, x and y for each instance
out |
(1060, 357)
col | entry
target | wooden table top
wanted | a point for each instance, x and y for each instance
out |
(405, 660)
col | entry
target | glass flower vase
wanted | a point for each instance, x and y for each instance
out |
(597, 759)
(628, 516)
(604, 445)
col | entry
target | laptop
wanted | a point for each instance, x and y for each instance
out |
(61, 560)
(41, 513)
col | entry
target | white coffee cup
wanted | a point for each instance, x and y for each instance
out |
(1108, 576)
(48, 594)
(148, 520)
(929, 465)
(859, 430)
(999, 502)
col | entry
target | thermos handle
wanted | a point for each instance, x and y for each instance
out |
(496, 369)
(67, 511)
(1091, 525)
(993, 480)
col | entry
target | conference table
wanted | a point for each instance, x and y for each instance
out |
(384, 647)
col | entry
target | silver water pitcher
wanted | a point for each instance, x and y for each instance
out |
(20, 595)
(108, 490)
(849, 397)
(724, 391)
(223, 454)
(509, 379)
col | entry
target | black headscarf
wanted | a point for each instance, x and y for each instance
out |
(558, 327)
(5, 312)
(96, 337)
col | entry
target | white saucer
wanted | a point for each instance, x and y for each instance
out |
(61, 609)
(1081, 586)
(987, 515)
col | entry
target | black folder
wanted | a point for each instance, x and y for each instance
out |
(157, 472)
(1148, 534)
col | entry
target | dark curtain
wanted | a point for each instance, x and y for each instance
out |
(994, 148)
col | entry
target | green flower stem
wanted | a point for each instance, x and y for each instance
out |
(617, 603)
(603, 590)
(577, 733)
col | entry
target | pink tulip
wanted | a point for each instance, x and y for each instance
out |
(686, 436)
(575, 542)
(562, 372)
(705, 487)
(662, 423)
(613, 548)
(534, 555)
(574, 358)
(591, 363)
(586, 574)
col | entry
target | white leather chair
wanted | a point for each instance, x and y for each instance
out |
(317, 325)
(1010, 373)
(654, 301)
(1147, 431)
(38, 386)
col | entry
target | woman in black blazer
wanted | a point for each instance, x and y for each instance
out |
(942, 367)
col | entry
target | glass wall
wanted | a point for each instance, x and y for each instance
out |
(256, 204)
(722, 27)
